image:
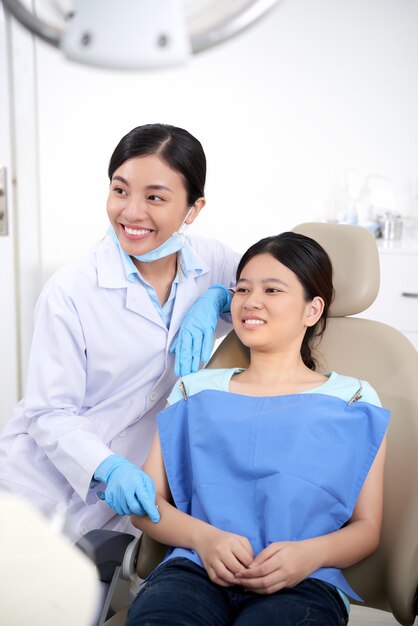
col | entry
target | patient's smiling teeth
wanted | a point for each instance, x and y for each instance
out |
(253, 322)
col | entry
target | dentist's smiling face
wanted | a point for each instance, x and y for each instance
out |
(269, 309)
(147, 203)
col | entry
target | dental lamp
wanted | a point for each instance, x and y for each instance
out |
(45, 579)
(142, 34)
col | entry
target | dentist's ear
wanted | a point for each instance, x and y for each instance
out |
(314, 311)
(195, 210)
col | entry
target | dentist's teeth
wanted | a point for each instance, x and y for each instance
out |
(135, 231)
(254, 322)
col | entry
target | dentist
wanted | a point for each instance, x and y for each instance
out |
(100, 366)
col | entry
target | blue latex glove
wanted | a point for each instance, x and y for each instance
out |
(195, 337)
(129, 491)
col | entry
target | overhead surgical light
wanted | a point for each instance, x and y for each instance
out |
(141, 34)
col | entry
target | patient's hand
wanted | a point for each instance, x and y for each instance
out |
(280, 565)
(224, 554)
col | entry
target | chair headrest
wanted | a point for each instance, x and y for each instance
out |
(355, 261)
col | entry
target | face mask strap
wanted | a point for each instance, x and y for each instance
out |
(182, 228)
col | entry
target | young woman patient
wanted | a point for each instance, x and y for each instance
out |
(269, 479)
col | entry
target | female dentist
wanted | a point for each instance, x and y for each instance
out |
(100, 366)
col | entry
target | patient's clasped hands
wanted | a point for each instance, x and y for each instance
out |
(229, 560)
(223, 554)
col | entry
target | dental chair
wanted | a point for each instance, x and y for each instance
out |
(388, 579)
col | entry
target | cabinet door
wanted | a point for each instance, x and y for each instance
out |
(397, 301)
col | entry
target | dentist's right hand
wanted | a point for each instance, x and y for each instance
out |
(129, 490)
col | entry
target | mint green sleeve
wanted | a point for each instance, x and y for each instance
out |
(369, 394)
(200, 381)
(175, 394)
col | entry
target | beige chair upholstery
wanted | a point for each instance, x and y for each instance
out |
(378, 353)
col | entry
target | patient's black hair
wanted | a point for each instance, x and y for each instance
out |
(306, 258)
(176, 146)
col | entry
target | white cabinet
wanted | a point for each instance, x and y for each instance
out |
(397, 301)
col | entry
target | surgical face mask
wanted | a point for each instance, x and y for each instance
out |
(173, 244)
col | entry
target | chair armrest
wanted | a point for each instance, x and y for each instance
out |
(150, 554)
(107, 549)
(110, 549)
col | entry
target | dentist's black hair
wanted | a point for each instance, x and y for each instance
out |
(176, 146)
(306, 258)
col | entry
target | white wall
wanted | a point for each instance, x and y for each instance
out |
(282, 110)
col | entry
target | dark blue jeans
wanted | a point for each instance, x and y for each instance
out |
(181, 593)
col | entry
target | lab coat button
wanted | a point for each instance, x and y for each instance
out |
(153, 396)
(84, 530)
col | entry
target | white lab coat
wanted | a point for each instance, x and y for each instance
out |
(99, 371)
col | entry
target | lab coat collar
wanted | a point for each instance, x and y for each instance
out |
(110, 269)
(189, 262)
(111, 275)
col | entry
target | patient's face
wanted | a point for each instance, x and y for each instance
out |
(269, 310)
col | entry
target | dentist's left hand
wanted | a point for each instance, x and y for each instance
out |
(194, 341)
(129, 490)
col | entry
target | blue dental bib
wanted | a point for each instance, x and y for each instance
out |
(282, 468)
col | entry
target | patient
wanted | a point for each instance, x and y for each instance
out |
(269, 479)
